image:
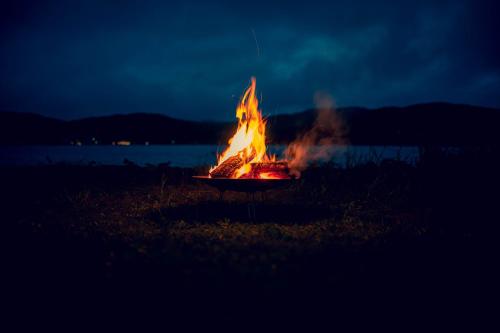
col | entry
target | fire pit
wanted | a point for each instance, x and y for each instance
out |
(261, 177)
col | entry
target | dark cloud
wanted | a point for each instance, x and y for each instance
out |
(193, 60)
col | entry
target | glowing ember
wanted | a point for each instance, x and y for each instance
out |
(246, 155)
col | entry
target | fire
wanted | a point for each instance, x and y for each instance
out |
(246, 155)
(247, 151)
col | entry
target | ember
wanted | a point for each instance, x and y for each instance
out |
(246, 156)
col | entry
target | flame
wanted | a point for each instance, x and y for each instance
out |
(249, 141)
(246, 155)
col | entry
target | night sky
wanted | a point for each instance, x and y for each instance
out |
(71, 59)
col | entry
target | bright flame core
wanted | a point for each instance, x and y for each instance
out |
(249, 141)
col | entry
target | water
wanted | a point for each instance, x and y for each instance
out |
(178, 155)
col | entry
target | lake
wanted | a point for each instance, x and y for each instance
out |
(177, 155)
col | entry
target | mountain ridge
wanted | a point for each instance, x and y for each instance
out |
(425, 123)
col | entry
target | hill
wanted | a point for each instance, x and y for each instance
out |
(432, 123)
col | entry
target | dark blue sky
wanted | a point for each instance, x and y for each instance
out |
(71, 59)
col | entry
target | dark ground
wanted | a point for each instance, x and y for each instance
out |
(391, 239)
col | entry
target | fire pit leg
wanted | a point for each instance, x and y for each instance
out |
(252, 216)
(221, 195)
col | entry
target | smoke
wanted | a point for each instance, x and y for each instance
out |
(317, 144)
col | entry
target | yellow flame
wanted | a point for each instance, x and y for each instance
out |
(249, 141)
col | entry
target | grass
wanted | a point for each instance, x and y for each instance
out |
(372, 228)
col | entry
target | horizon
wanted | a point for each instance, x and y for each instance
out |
(88, 58)
(311, 108)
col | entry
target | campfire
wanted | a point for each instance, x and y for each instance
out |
(246, 156)
(246, 165)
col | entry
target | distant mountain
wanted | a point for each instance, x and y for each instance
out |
(142, 127)
(432, 123)
(28, 128)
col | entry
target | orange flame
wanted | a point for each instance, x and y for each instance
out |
(249, 141)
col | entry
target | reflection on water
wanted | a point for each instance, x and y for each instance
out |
(177, 155)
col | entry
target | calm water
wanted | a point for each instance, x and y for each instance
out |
(177, 155)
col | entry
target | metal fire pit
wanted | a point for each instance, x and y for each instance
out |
(248, 185)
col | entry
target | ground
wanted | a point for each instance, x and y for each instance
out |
(389, 229)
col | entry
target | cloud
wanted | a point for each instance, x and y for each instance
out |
(193, 59)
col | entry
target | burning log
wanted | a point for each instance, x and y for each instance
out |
(269, 170)
(228, 167)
